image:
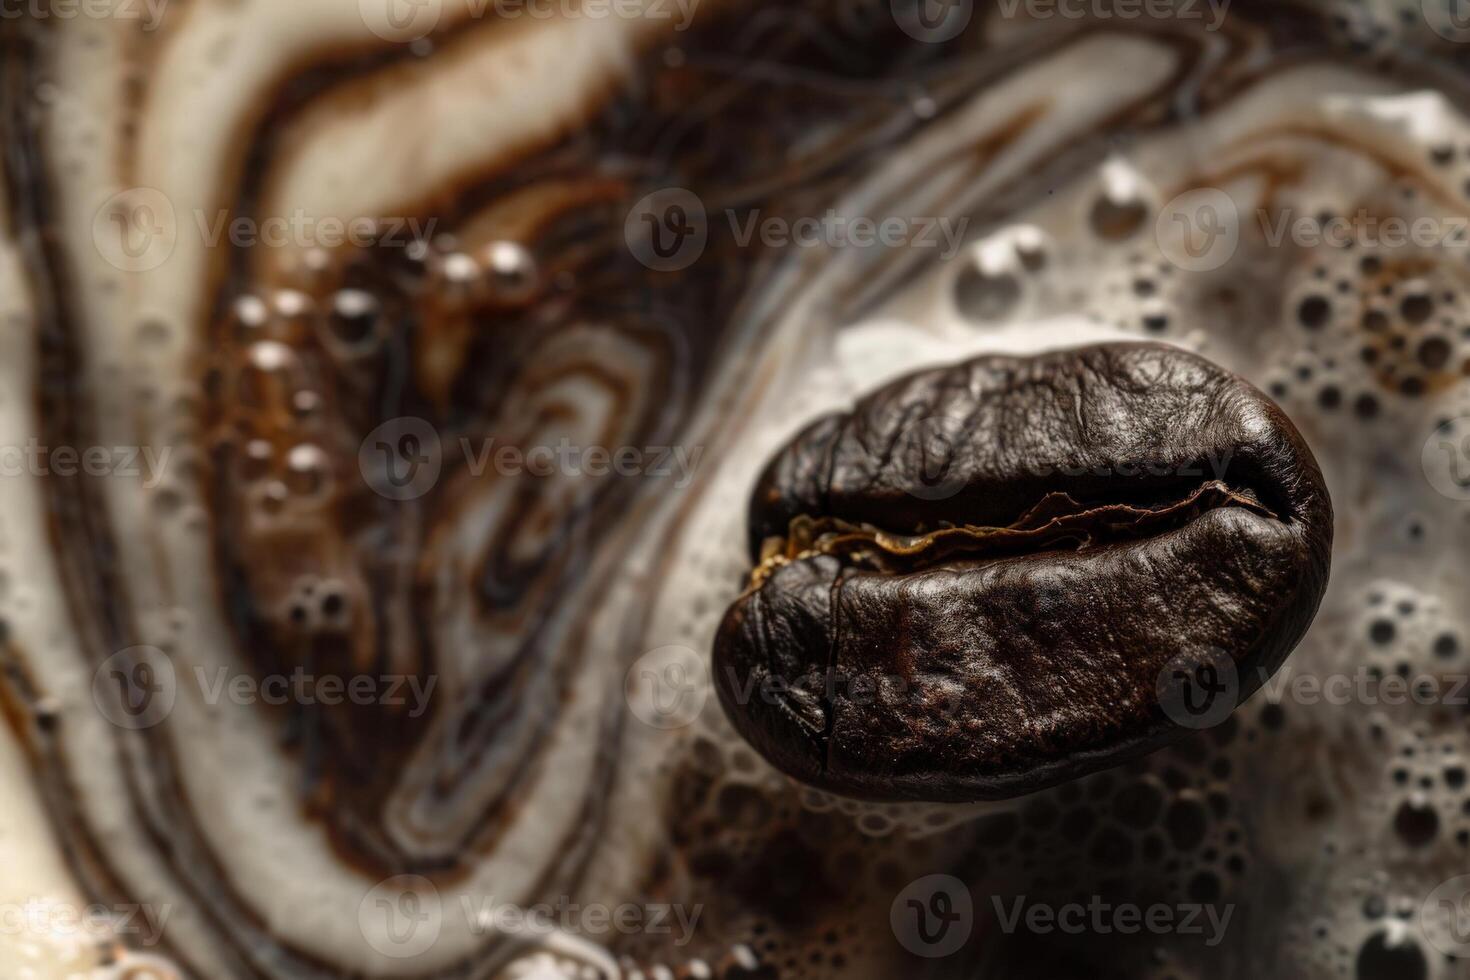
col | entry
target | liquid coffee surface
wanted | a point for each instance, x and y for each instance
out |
(385, 386)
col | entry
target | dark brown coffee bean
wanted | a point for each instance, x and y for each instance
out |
(970, 586)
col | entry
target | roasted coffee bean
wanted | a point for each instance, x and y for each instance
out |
(970, 586)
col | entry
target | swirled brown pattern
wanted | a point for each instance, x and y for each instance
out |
(170, 185)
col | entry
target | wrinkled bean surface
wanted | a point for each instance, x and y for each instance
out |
(969, 586)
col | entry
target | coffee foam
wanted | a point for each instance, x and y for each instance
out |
(791, 878)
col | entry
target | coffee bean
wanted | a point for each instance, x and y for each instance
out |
(986, 567)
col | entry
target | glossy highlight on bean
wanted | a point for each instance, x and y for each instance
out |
(967, 588)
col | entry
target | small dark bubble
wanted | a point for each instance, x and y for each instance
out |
(1434, 353)
(1079, 822)
(1383, 959)
(1139, 803)
(1204, 887)
(1446, 645)
(1417, 308)
(1314, 312)
(1366, 406)
(1382, 631)
(1041, 813)
(1329, 398)
(1111, 849)
(1187, 822)
(1116, 220)
(979, 296)
(1273, 717)
(1416, 822)
(999, 829)
(1219, 803)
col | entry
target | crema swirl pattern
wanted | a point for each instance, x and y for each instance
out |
(382, 390)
